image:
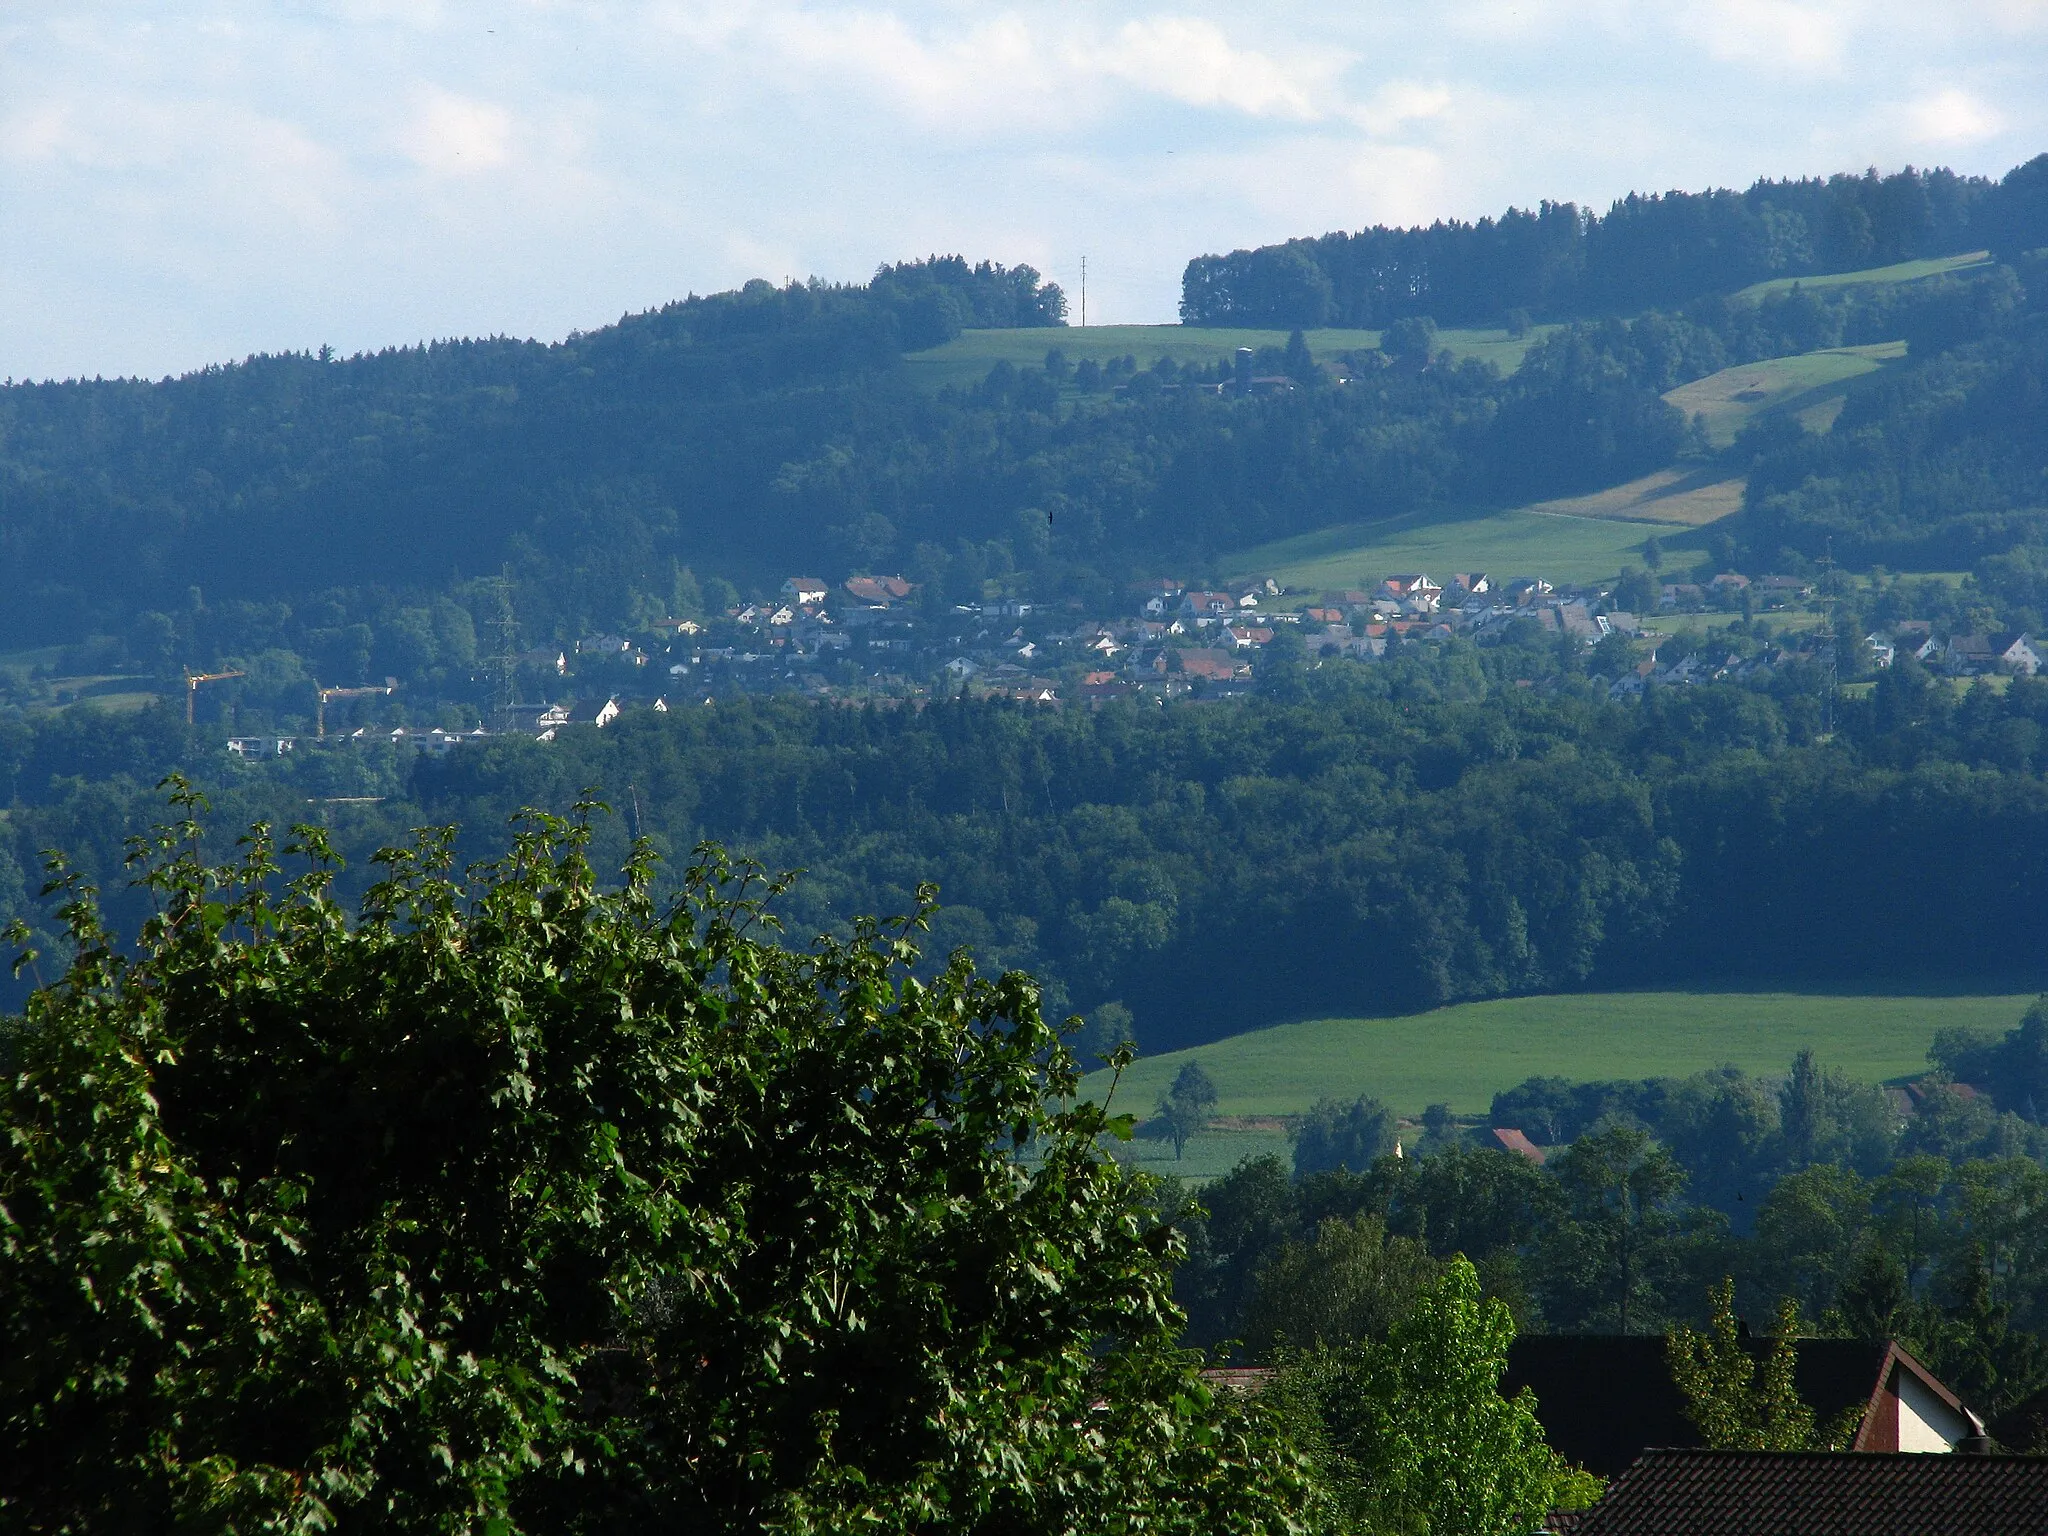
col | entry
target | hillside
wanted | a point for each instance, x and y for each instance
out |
(966, 360)
(1810, 388)
(356, 514)
(1557, 545)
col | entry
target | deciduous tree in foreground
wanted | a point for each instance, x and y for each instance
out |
(514, 1204)
(1411, 1433)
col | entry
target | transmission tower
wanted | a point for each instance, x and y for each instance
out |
(1825, 635)
(504, 659)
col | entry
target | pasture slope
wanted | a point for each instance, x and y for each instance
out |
(1524, 542)
(1900, 272)
(1812, 386)
(1463, 1055)
(968, 357)
(1581, 538)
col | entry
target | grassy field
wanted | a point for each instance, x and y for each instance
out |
(1902, 272)
(113, 703)
(1812, 386)
(1524, 542)
(1209, 1153)
(970, 355)
(116, 693)
(1463, 1055)
(1686, 498)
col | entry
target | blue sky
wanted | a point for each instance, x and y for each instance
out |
(185, 183)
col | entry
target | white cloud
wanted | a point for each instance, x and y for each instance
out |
(991, 74)
(44, 131)
(1799, 35)
(1189, 60)
(1951, 118)
(456, 135)
(1399, 103)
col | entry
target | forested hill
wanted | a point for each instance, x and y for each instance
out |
(286, 475)
(277, 503)
(338, 509)
(1647, 250)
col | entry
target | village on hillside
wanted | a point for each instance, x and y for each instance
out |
(875, 639)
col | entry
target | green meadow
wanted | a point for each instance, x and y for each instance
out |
(1524, 542)
(1464, 1054)
(1900, 272)
(1812, 386)
(1583, 538)
(1208, 1155)
(968, 357)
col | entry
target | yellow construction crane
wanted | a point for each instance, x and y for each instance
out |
(192, 682)
(320, 713)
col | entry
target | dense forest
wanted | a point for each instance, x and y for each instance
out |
(1646, 251)
(1456, 822)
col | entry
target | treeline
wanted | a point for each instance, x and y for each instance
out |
(1647, 250)
(1357, 839)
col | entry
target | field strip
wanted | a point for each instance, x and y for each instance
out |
(1464, 1054)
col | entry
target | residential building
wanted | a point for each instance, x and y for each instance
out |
(597, 712)
(2015, 653)
(878, 591)
(1208, 664)
(1512, 1140)
(1604, 1399)
(1412, 584)
(1817, 1493)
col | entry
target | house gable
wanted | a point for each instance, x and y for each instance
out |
(1910, 1410)
(1604, 1399)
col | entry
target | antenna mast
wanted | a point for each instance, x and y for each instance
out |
(504, 663)
(1084, 293)
(1826, 636)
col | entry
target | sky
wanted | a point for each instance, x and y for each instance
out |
(187, 183)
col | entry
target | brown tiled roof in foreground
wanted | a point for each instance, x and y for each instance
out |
(1820, 1493)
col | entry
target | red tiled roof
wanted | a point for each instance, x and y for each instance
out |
(1819, 1493)
(1515, 1141)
